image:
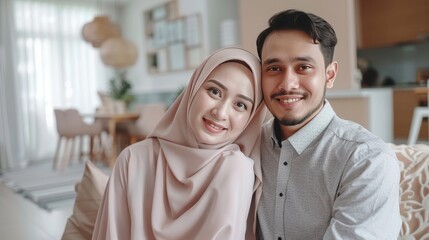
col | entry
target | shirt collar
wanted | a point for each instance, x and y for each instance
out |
(307, 134)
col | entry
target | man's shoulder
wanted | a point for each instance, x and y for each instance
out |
(359, 141)
(352, 132)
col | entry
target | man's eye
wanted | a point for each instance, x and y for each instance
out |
(273, 68)
(304, 67)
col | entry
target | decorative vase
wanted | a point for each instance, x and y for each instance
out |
(120, 106)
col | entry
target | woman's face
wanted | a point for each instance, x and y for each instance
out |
(222, 106)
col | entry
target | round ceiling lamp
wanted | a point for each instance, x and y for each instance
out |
(98, 30)
(118, 52)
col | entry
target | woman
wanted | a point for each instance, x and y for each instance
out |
(192, 178)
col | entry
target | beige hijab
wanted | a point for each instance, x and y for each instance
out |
(199, 191)
(186, 157)
(172, 126)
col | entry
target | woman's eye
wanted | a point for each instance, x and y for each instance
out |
(241, 106)
(214, 91)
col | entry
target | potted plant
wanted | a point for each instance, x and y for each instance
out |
(120, 91)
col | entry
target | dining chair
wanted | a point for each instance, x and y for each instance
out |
(70, 126)
(150, 114)
(419, 113)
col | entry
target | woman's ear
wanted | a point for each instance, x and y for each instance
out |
(331, 74)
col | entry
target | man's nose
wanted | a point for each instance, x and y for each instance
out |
(290, 81)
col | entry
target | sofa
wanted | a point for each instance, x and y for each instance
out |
(414, 190)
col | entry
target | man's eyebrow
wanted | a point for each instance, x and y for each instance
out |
(304, 59)
(271, 60)
(226, 89)
(296, 59)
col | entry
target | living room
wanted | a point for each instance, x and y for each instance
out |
(38, 76)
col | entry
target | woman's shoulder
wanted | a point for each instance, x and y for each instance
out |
(149, 144)
(235, 157)
(140, 151)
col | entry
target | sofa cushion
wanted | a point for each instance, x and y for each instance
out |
(89, 194)
(414, 190)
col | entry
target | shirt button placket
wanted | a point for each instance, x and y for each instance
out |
(282, 179)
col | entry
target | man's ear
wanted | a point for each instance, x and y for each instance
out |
(331, 74)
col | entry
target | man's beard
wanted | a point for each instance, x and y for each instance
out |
(293, 122)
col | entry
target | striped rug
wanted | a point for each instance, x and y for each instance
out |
(50, 189)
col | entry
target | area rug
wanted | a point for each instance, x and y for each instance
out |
(49, 189)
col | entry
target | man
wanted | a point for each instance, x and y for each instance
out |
(322, 177)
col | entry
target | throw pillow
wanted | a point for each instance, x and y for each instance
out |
(90, 190)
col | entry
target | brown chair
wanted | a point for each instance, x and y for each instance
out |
(70, 125)
(150, 114)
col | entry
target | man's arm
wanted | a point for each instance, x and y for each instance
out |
(367, 202)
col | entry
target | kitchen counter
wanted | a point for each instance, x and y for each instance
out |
(404, 102)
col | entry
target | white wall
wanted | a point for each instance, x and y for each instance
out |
(220, 10)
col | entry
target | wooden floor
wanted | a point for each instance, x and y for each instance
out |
(20, 219)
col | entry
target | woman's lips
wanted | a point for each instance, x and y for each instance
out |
(212, 126)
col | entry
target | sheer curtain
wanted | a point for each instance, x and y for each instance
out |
(45, 64)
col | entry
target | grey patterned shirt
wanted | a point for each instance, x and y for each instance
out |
(332, 179)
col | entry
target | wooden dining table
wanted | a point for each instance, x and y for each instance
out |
(113, 119)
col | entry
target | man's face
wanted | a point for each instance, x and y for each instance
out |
(294, 78)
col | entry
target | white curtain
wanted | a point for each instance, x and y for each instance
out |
(45, 64)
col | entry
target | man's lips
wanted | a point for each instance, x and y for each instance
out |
(289, 100)
(288, 97)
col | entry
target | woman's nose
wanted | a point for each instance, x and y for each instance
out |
(220, 111)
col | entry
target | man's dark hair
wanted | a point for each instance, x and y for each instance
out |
(314, 26)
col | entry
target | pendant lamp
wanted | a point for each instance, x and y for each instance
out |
(118, 52)
(99, 29)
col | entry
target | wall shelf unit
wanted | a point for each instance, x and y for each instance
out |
(173, 42)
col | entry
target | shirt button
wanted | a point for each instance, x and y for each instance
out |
(281, 194)
(279, 238)
(285, 163)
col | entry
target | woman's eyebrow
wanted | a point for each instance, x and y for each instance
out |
(218, 83)
(246, 98)
(226, 89)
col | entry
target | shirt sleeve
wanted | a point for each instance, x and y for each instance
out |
(113, 219)
(367, 200)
